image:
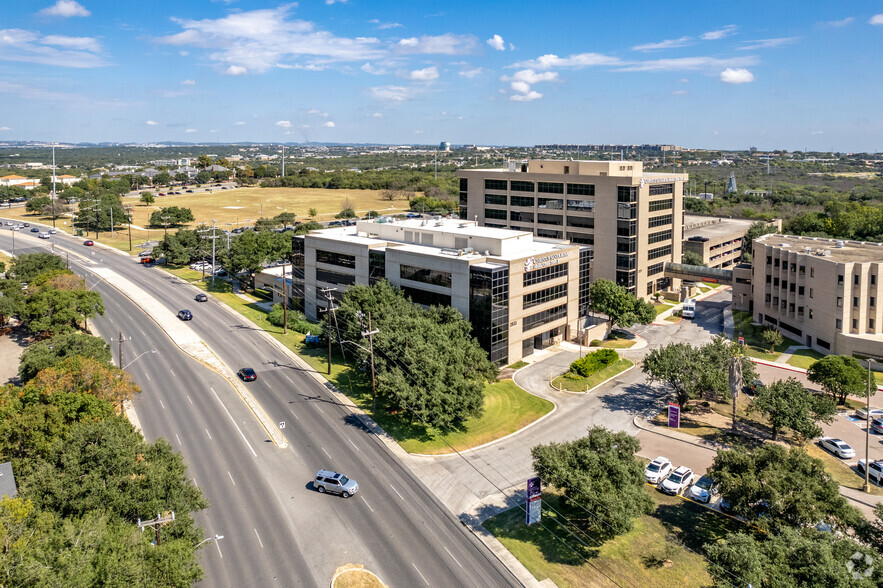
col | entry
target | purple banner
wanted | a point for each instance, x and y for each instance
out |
(674, 416)
(534, 501)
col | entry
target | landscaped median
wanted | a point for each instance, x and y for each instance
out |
(592, 370)
(507, 408)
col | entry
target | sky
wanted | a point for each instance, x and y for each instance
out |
(771, 74)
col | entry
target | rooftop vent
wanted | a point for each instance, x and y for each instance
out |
(486, 252)
(439, 224)
(827, 253)
(838, 244)
(808, 250)
(462, 226)
(784, 245)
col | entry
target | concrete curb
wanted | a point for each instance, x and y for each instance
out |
(646, 425)
(788, 367)
(595, 387)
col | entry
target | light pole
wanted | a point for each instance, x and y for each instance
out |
(213, 253)
(867, 485)
(129, 212)
(215, 538)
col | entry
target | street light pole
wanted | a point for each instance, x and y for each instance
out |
(213, 253)
(370, 334)
(867, 485)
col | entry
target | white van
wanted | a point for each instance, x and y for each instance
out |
(689, 308)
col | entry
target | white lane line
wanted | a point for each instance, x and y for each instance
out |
(366, 503)
(234, 422)
(173, 373)
(231, 477)
(354, 445)
(178, 438)
(161, 404)
(148, 376)
(319, 408)
(289, 380)
(294, 414)
(397, 492)
(188, 398)
(329, 456)
(419, 572)
(209, 434)
(259, 538)
(194, 482)
(452, 556)
(217, 543)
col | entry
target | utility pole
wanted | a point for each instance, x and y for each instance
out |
(370, 334)
(129, 211)
(121, 349)
(213, 252)
(111, 221)
(867, 485)
(330, 309)
(155, 523)
(53, 187)
(284, 303)
(165, 226)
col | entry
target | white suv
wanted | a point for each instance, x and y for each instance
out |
(678, 481)
(657, 470)
(328, 481)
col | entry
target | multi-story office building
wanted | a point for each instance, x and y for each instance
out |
(633, 220)
(718, 241)
(518, 291)
(824, 293)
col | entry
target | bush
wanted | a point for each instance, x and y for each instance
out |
(593, 362)
(596, 343)
(296, 320)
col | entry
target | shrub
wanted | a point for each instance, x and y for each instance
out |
(296, 320)
(596, 343)
(593, 362)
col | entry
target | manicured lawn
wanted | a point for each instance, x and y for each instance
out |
(508, 408)
(619, 340)
(517, 365)
(633, 559)
(584, 384)
(803, 358)
(660, 308)
(704, 430)
(674, 317)
(755, 345)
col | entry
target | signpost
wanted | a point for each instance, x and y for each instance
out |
(674, 415)
(534, 501)
(741, 340)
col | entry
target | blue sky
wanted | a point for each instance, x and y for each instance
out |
(770, 74)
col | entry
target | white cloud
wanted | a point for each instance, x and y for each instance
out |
(183, 53)
(719, 34)
(817, 132)
(497, 43)
(391, 93)
(65, 9)
(736, 76)
(679, 93)
(424, 75)
(374, 71)
(265, 37)
(877, 19)
(529, 97)
(318, 112)
(283, 123)
(329, 124)
(551, 61)
(188, 83)
(5, 129)
(667, 44)
(375, 115)
(239, 123)
(56, 50)
(684, 80)
(520, 87)
(767, 43)
(330, 2)
(236, 70)
(152, 123)
(190, 131)
(688, 64)
(384, 25)
(838, 23)
(447, 44)
(471, 73)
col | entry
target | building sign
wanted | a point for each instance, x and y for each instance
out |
(674, 416)
(532, 263)
(661, 180)
(534, 501)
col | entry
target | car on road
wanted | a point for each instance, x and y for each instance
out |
(877, 426)
(185, 315)
(328, 481)
(703, 490)
(145, 254)
(189, 191)
(8, 223)
(862, 413)
(35, 230)
(26, 224)
(88, 242)
(839, 448)
(247, 374)
(876, 472)
(678, 481)
(657, 470)
(44, 235)
(201, 297)
(724, 506)
(147, 259)
(52, 231)
(335, 224)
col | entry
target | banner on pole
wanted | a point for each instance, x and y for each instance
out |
(534, 501)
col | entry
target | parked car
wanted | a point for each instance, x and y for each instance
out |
(875, 413)
(247, 374)
(328, 481)
(839, 448)
(703, 490)
(657, 470)
(335, 224)
(724, 506)
(185, 315)
(876, 472)
(201, 297)
(8, 223)
(35, 230)
(147, 259)
(678, 481)
(88, 242)
(877, 426)
(189, 191)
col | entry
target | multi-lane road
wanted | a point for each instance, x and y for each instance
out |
(277, 530)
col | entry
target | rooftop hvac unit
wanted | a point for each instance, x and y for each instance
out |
(808, 250)
(838, 244)
(784, 245)
(827, 253)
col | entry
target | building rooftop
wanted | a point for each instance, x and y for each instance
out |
(713, 227)
(841, 251)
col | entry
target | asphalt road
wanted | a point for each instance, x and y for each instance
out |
(277, 530)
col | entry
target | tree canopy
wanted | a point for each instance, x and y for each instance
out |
(50, 352)
(623, 307)
(172, 216)
(787, 404)
(27, 267)
(840, 376)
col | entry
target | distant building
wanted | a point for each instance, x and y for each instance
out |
(731, 185)
(444, 146)
(718, 241)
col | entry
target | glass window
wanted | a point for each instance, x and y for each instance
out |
(659, 252)
(581, 221)
(526, 217)
(581, 238)
(555, 203)
(661, 189)
(840, 279)
(427, 276)
(550, 187)
(521, 200)
(581, 189)
(330, 277)
(548, 233)
(660, 236)
(545, 295)
(581, 205)
(545, 274)
(495, 185)
(488, 310)
(549, 219)
(626, 194)
(838, 324)
(543, 317)
(376, 265)
(521, 186)
(661, 205)
(334, 258)
(495, 213)
(464, 184)
(654, 269)
(659, 221)
(425, 297)
(495, 199)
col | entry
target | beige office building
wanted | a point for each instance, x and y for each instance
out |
(519, 292)
(824, 293)
(632, 219)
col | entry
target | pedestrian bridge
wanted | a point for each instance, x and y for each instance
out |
(698, 273)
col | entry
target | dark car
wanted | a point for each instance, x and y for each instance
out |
(147, 259)
(247, 374)
(35, 230)
(89, 243)
(189, 191)
(185, 315)
(26, 224)
(201, 297)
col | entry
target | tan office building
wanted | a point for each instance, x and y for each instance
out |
(519, 292)
(824, 293)
(633, 220)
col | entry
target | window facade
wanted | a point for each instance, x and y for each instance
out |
(581, 189)
(427, 276)
(425, 297)
(627, 194)
(489, 310)
(656, 189)
(518, 216)
(661, 205)
(495, 185)
(495, 199)
(660, 221)
(550, 187)
(376, 266)
(581, 205)
(659, 236)
(543, 296)
(581, 222)
(544, 274)
(495, 213)
(654, 269)
(521, 201)
(549, 219)
(543, 317)
(334, 258)
(659, 252)
(586, 256)
(330, 277)
(521, 186)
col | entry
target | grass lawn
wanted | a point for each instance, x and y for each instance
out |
(633, 559)
(584, 384)
(508, 408)
(803, 358)
(517, 365)
(674, 317)
(619, 340)
(755, 345)
(842, 473)
(705, 430)
(660, 308)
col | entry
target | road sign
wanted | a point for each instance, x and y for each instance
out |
(741, 340)
(534, 501)
(674, 415)
(281, 424)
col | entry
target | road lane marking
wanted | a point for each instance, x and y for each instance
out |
(188, 398)
(259, 538)
(234, 423)
(397, 492)
(209, 434)
(371, 509)
(294, 414)
(173, 373)
(161, 404)
(148, 376)
(326, 453)
(354, 445)
(217, 543)
(194, 482)
(289, 380)
(419, 572)
(452, 556)
(178, 438)
(319, 408)
(231, 477)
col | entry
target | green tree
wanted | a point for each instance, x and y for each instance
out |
(204, 161)
(203, 177)
(786, 403)
(51, 352)
(773, 338)
(147, 198)
(840, 376)
(26, 267)
(162, 179)
(623, 307)
(56, 311)
(56, 208)
(36, 204)
(312, 212)
(346, 213)
(690, 258)
(285, 218)
(757, 229)
(182, 177)
(304, 228)
(773, 487)
(175, 216)
(675, 365)
(600, 473)
(86, 375)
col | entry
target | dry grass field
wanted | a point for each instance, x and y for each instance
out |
(234, 208)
